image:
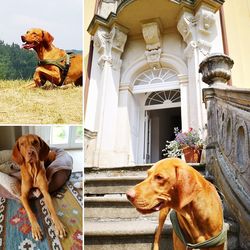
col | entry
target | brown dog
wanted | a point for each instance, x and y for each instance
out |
(30, 152)
(172, 184)
(54, 63)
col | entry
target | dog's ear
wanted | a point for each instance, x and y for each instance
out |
(44, 149)
(186, 185)
(16, 154)
(47, 38)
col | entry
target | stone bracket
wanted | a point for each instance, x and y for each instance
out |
(110, 45)
(153, 58)
(152, 36)
(197, 31)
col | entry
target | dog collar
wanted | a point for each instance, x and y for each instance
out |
(214, 241)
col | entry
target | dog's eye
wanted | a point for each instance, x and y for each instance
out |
(159, 178)
(34, 143)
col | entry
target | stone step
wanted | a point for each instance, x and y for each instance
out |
(112, 207)
(110, 185)
(124, 235)
(100, 181)
(136, 234)
(117, 171)
(137, 170)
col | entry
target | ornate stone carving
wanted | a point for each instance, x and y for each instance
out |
(197, 31)
(205, 20)
(189, 50)
(204, 47)
(119, 38)
(185, 26)
(102, 43)
(216, 68)
(151, 34)
(153, 58)
(106, 7)
(110, 45)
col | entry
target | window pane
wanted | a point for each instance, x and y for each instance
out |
(78, 135)
(59, 135)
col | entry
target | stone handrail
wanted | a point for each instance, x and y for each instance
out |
(228, 142)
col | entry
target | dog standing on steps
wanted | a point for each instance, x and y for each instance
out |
(54, 64)
(197, 215)
(30, 152)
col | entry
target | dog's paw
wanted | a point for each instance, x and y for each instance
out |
(60, 230)
(36, 231)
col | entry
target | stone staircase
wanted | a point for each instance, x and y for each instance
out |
(110, 220)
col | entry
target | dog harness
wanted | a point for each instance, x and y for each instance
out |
(214, 241)
(59, 63)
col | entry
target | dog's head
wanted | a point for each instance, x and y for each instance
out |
(30, 149)
(36, 37)
(170, 183)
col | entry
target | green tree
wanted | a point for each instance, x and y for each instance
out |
(15, 62)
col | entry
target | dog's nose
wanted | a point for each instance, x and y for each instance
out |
(131, 194)
(30, 152)
(23, 38)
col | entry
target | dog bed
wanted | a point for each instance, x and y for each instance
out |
(10, 185)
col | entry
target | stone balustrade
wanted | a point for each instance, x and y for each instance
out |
(228, 139)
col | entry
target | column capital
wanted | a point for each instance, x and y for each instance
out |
(205, 20)
(186, 26)
(110, 44)
(198, 30)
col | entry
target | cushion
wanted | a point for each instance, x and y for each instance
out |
(5, 155)
(9, 167)
(10, 186)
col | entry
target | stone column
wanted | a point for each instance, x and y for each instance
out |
(125, 118)
(198, 31)
(110, 45)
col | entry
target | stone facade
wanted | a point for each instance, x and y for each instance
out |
(124, 54)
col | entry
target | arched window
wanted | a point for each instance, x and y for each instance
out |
(155, 80)
(152, 76)
(164, 97)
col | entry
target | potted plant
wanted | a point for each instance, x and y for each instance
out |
(189, 143)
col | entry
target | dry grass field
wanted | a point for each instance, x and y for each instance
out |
(20, 105)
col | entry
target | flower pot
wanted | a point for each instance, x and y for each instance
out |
(192, 155)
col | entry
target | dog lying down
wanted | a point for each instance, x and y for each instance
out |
(54, 64)
(31, 153)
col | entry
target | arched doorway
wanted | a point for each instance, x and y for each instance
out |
(160, 98)
(162, 115)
